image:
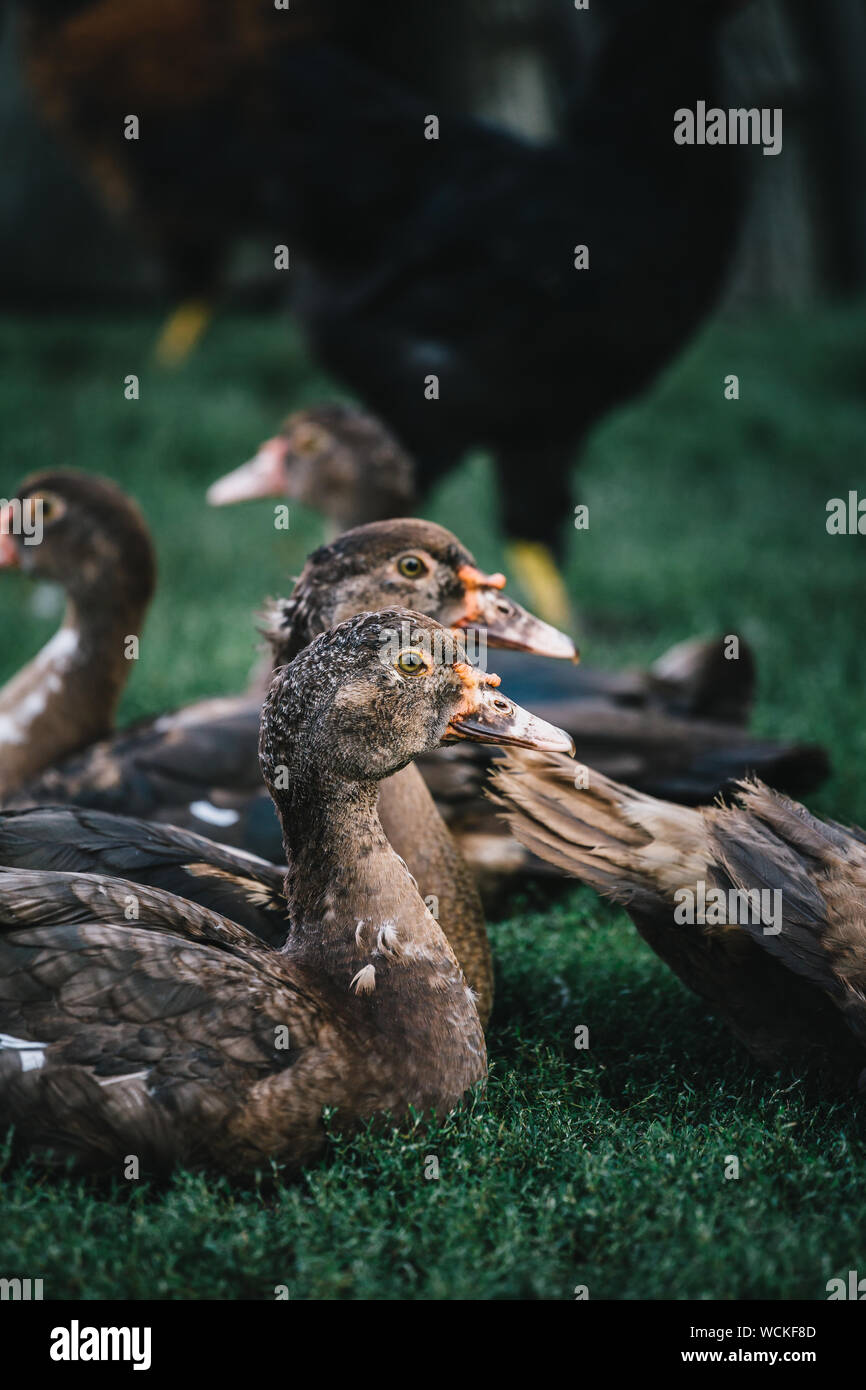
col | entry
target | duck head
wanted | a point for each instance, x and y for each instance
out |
(82, 532)
(336, 459)
(409, 564)
(378, 690)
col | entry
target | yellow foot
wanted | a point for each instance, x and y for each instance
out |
(535, 570)
(182, 331)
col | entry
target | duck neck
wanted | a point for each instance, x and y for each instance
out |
(358, 920)
(353, 904)
(350, 896)
(106, 627)
(67, 696)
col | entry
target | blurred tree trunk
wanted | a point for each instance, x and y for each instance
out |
(833, 34)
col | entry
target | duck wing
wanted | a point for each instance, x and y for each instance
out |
(155, 761)
(197, 767)
(71, 839)
(35, 898)
(120, 1043)
(818, 869)
(682, 760)
(638, 851)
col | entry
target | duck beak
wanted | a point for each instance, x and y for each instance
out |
(505, 622)
(485, 716)
(262, 476)
(8, 548)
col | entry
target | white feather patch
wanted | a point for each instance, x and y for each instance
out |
(365, 980)
(214, 815)
(31, 1055)
(46, 673)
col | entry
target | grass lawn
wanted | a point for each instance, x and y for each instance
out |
(603, 1167)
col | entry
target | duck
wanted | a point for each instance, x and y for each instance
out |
(335, 458)
(675, 729)
(196, 768)
(755, 904)
(343, 462)
(82, 532)
(179, 1037)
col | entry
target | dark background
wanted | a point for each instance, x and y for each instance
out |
(509, 60)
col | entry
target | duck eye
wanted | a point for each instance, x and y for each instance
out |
(411, 566)
(412, 663)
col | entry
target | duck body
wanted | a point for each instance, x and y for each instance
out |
(177, 1035)
(184, 1060)
(758, 907)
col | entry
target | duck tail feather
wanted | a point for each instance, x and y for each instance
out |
(816, 924)
(625, 844)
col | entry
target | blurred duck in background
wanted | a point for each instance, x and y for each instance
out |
(93, 541)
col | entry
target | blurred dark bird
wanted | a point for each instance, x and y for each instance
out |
(758, 907)
(435, 276)
(194, 75)
(438, 278)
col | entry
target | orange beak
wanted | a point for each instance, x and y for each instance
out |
(506, 624)
(484, 716)
(474, 578)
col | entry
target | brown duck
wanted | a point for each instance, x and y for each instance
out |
(82, 532)
(334, 458)
(158, 769)
(759, 907)
(345, 464)
(179, 1037)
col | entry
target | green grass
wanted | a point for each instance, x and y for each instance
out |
(602, 1167)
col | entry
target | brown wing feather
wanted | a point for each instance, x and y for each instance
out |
(72, 839)
(192, 1032)
(774, 990)
(820, 870)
